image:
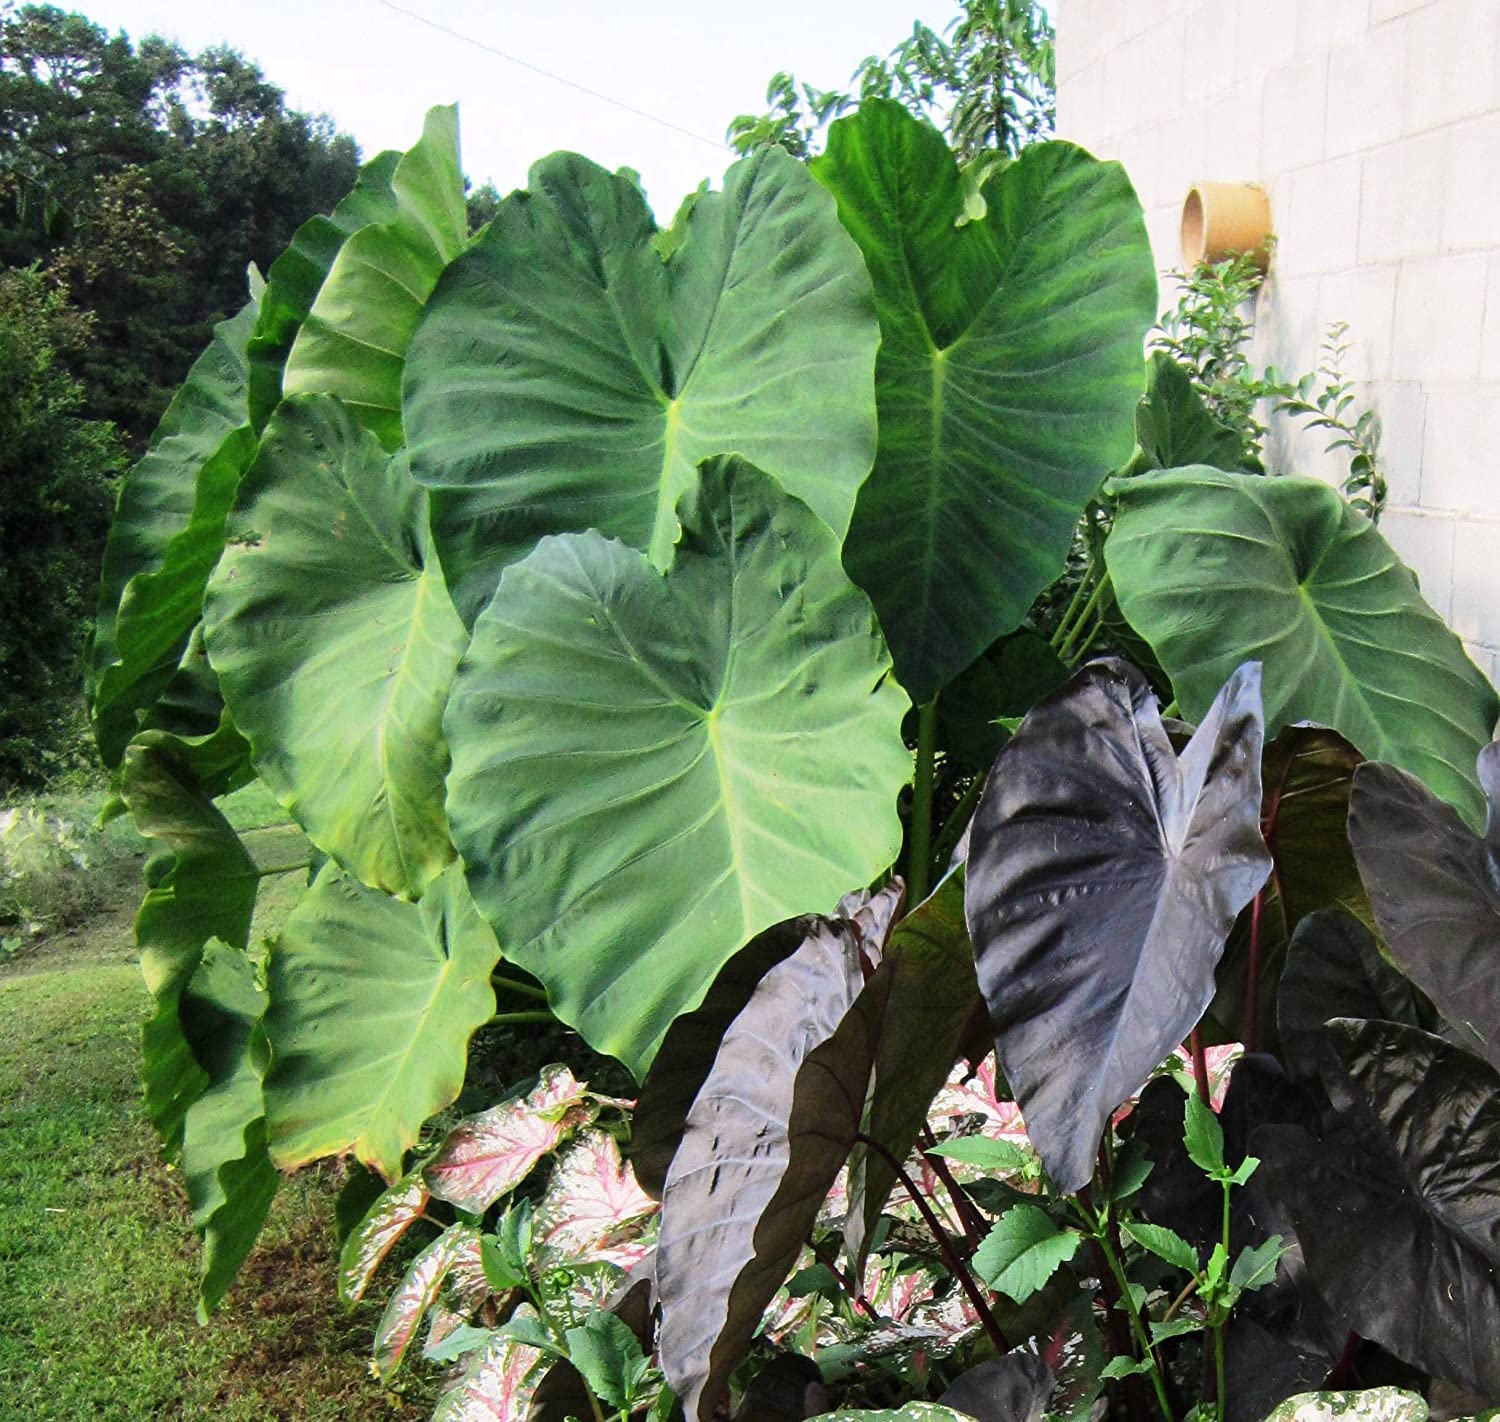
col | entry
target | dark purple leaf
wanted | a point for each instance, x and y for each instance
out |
(1398, 1216)
(1013, 1388)
(1435, 888)
(765, 1139)
(1104, 876)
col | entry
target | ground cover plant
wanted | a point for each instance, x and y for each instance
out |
(658, 631)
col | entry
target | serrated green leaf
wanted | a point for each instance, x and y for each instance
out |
(608, 1355)
(1122, 1367)
(1176, 1328)
(1023, 1251)
(1164, 1243)
(1000, 1157)
(1203, 1136)
(1256, 1267)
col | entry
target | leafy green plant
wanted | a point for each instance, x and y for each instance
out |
(642, 626)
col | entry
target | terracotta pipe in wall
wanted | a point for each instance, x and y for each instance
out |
(1221, 220)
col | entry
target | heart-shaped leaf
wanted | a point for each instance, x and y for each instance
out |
(488, 1155)
(765, 1138)
(1400, 1224)
(208, 891)
(1212, 567)
(593, 1209)
(1012, 1388)
(1023, 1251)
(1010, 363)
(1435, 889)
(326, 597)
(229, 1176)
(619, 371)
(373, 1002)
(353, 341)
(394, 1212)
(167, 534)
(1104, 875)
(1306, 774)
(1334, 969)
(648, 770)
(495, 1386)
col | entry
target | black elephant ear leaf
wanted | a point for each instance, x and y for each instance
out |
(1334, 969)
(1435, 888)
(687, 1051)
(764, 1140)
(1104, 875)
(1011, 1388)
(1398, 1215)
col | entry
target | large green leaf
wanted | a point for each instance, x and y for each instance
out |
(649, 770)
(1010, 364)
(1212, 568)
(373, 1002)
(230, 1179)
(352, 343)
(202, 886)
(1174, 427)
(298, 274)
(335, 643)
(568, 377)
(166, 536)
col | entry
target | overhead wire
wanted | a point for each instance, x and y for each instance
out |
(549, 74)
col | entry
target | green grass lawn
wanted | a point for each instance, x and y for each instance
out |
(98, 1260)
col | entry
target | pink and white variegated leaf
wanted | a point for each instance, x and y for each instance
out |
(488, 1155)
(392, 1214)
(977, 1094)
(496, 1386)
(594, 1211)
(463, 1289)
(417, 1293)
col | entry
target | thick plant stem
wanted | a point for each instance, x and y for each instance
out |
(1065, 622)
(283, 869)
(955, 825)
(537, 1016)
(1142, 1338)
(521, 989)
(1071, 639)
(846, 1283)
(1200, 1065)
(956, 1266)
(919, 862)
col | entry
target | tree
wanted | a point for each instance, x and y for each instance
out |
(56, 495)
(148, 181)
(990, 83)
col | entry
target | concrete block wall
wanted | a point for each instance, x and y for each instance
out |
(1375, 126)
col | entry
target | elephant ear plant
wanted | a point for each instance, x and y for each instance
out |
(652, 637)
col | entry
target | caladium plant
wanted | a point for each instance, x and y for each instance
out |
(695, 633)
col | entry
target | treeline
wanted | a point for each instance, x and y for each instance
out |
(137, 185)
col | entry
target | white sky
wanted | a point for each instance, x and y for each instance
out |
(376, 71)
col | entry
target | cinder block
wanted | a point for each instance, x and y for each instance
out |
(1210, 38)
(1439, 318)
(1364, 298)
(1453, 43)
(1459, 470)
(1424, 542)
(1321, 23)
(1471, 198)
(1401, 199)
(1268, 37)
(1366, 77)
(1402, 407)
(1383, 10)
(1317, 228)
(1489, 343)
(1475, 611)
(1293, 109)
